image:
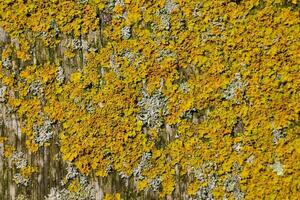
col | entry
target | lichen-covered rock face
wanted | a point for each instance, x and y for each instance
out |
(197, 99)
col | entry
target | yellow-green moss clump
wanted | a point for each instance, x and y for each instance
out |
(208, 89)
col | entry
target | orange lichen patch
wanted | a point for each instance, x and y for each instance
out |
(28, 171)
(208, 87)
(69, 54)
(8, 151)
(116, 196)
(3, 139)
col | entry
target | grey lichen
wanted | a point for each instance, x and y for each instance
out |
(43, 133)
(206, 193)
(7, 63)
(19, 159)
(165, 21)
(128, 55)
(189, 114)
(20, 180)
(184, 87)
(36, 88)
(155, 183)
(60, 77)
(165, 53)
(90, 108)
(85, 192)
(250, 159)
(126, 32)
(206, 174)
(236, 85)
(165, 14)
(277, 135)
(278, 168)
(56, 194)
(153, 109)
(231, 185)
(238, 147)
(119, 3)
(170, 6)
(77, 44)
(71, 172)
(3, 90)
(144, 163)
(208, 33)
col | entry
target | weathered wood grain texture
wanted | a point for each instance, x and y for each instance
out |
(52, 169)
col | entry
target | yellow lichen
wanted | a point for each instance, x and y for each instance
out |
(185, 83)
